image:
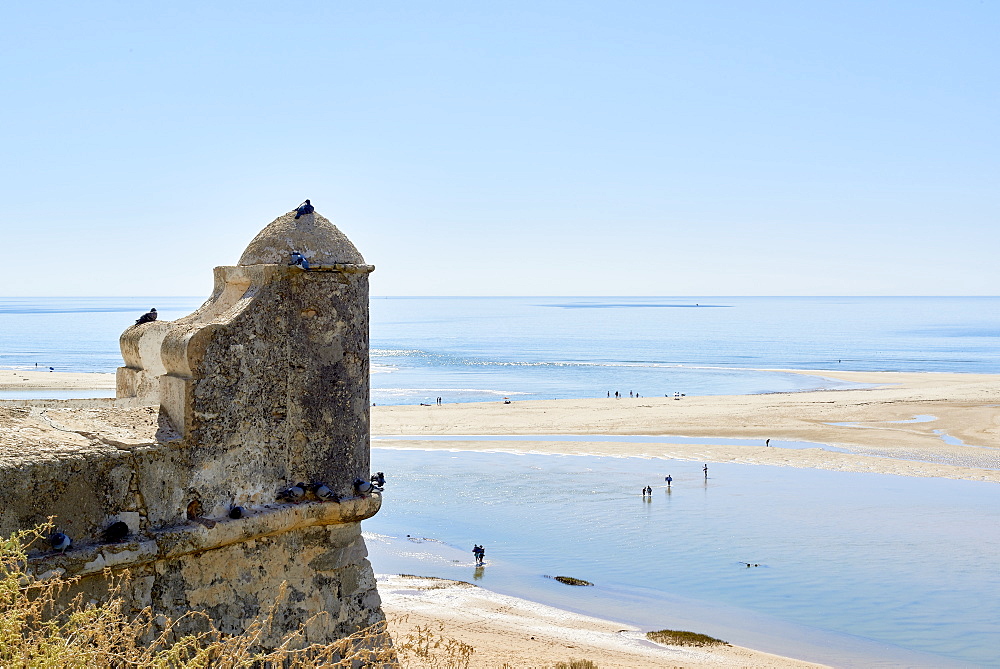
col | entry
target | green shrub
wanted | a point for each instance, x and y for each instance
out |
(680, 638)
(569, 580)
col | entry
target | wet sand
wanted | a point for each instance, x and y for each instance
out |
(507, 631)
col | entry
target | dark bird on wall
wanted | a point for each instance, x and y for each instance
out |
(236, 512)
(362, 486)
(300, 260)
(147, 317)
(60, 541)
(378, 481)
(303, 209)
(293, 494)
(116, 532)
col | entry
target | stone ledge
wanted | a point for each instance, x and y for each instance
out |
(204, 534)
(343, 268)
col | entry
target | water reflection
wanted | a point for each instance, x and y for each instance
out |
(832, 542)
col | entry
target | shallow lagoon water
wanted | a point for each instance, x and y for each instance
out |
(613, 438)
(854, 568)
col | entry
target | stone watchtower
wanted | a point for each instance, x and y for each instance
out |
(265, 387)
(270, 375)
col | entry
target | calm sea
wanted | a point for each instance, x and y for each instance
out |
(482, 349)
(855, 570)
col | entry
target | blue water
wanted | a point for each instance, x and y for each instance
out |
(854, 569)
(483, 349)
(75, 334)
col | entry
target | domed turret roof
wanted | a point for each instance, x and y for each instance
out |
(311, 234)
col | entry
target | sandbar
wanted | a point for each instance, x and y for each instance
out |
(16, 379)
(910, 424)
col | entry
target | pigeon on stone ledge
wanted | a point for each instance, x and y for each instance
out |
(116, 532)
(303, 209)
(60, 541)
(300, 260)
(293, 494)
(324, 494)
(236, 512)
(147, 317)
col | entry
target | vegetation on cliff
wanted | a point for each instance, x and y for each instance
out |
(41, 625)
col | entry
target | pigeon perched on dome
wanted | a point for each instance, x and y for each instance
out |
(303, 209)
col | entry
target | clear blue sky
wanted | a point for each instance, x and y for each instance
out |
(507, 148)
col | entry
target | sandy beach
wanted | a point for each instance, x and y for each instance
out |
(507, 631)
(16, 379)
(869, 424)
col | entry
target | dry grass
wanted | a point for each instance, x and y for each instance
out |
(39, 628)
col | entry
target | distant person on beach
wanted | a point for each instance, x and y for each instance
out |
(479, 553)
(767, 443)
(705, 469)
(669, 479)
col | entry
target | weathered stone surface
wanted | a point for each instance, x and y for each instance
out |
(313, 236)
(263, 387)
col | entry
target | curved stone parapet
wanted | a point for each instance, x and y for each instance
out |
(140, 347)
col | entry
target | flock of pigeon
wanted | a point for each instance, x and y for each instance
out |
(115, 533)
(297, 258)
(118, 531)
